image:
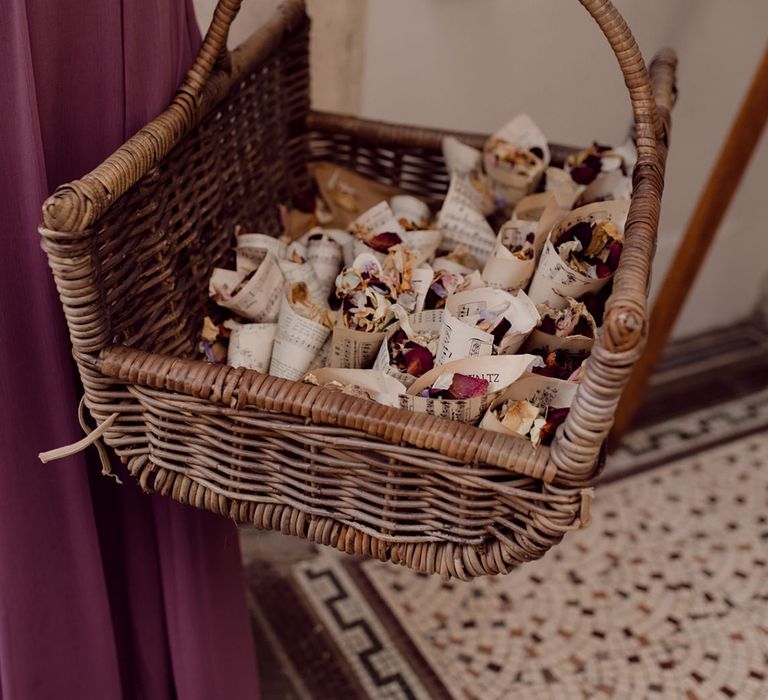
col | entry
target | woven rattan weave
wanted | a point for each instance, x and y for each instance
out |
(132, 245)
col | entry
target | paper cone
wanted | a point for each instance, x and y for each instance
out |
(250, 346)
(258, 299)
(425, 322)
(297, 341)
(459, 339)
(499, 372)
(554, 281)
(462, 223)
(413, 210)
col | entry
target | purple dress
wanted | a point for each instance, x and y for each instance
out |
(104, 592)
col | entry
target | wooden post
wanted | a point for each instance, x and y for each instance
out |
(713, 203)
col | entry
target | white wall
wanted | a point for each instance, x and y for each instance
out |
(471, 64)
(336, 45)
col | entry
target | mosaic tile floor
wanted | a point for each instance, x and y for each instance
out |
(665, 595)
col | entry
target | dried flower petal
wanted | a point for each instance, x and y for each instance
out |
(382, 242)
(614, 253)
(585, 166)
(554, 418)
(602, 270)
(518, 416)
(417, 360)
(583, 174)
(559, 364)
(573, 320)
(210, 330)
(586, 248)
(500, 330)
(464, 386)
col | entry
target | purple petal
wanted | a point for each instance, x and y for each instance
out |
(594, 162)
(559, 364)
(398, 338)
(436, 296)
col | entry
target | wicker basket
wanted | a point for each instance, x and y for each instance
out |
(132, 245)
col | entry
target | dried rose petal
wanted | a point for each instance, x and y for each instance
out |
(436, 296)
(375, 283)
(583, 327)
(464, 386)
(418, 360)
(614, 253)
(398, 338)
(595, 302)
(583, 174)
(547, 325)
(594, 162)
(581, 232)
(519, 416)
(500, 330)
(602, 270)
(555, 418)
(382, 242)
(558, 364)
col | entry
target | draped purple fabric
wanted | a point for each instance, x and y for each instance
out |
(104, 592)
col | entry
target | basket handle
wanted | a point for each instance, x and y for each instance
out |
(620, 342)
(214, 54)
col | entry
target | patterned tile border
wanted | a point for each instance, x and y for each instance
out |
(685, 435)
(367, 647)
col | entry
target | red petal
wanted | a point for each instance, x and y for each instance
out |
(555, 416)
(418, 360)
(583, 174)
(603, 270)
(547, 326)
(581, 232)
(614, 253)
(464, 386)
(382, 242)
